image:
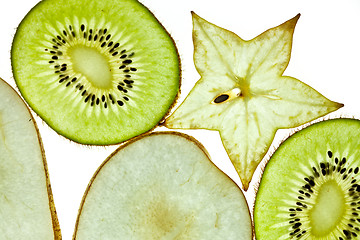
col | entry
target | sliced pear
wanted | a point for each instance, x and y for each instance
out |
(243, 94)
(27, 209)
(162, 186)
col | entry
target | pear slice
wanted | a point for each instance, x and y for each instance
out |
(162, 186)
(27, 209)
(243, 94)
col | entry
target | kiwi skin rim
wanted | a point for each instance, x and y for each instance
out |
(296, 131)
(83, 141)
(125, 144)
(54, 218)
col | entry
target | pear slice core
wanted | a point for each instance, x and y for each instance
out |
(27, 209)
(162, 186)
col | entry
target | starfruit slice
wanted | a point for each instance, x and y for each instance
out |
(243, 94)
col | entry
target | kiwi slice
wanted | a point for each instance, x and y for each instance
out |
(162, 186)
(27, 209)
(97, 72)
(310, 188)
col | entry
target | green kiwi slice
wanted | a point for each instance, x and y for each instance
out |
(310, 187)
(97, 72)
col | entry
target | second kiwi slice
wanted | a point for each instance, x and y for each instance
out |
(97, 72)
(310, 188)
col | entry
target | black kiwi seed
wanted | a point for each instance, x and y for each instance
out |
(127, 61)
(326, 168)
(128, 81)
(61, 41)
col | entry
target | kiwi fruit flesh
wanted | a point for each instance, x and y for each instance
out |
(97, 72)
(162, 186)
(310, 187)
(27, 209)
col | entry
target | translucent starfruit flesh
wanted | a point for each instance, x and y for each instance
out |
(243, 94)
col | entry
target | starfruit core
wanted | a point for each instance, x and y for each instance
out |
(243, 94)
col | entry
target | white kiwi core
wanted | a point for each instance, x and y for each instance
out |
(328, 210)
(92, 64)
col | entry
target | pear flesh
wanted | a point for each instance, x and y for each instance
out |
(162, 186)
(27, 209)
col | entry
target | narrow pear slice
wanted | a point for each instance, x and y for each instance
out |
(243, 94)
(162, 186)
(27, 209)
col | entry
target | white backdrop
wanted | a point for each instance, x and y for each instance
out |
(325, 55)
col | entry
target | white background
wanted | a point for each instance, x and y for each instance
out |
(325, 55)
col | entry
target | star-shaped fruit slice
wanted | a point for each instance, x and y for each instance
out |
(243, 94)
